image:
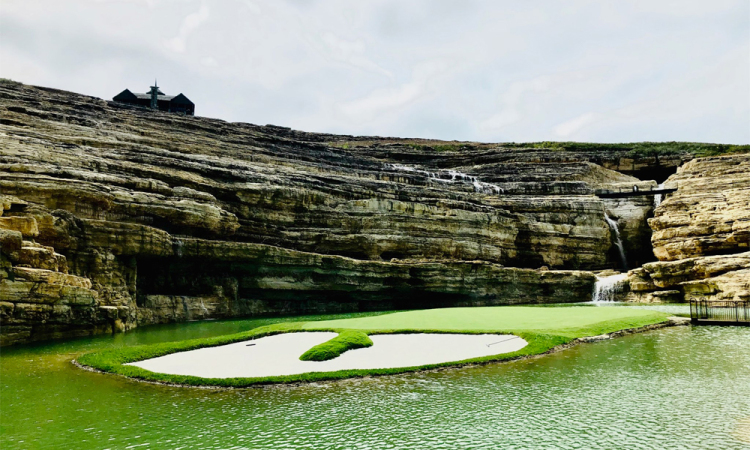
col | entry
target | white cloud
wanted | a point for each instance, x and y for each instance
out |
(351, 52)
(389, 100)
(490, 71)
(252, 7)
(511, 103)
(383, 100)
(569, 127)
(209, 61)
(189, 24)
(507, 116)
(25, 68)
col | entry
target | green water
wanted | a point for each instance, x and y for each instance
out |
(676, 388)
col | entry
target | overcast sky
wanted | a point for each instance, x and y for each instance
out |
(583, 70)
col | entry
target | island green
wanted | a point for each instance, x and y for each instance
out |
(543, 329)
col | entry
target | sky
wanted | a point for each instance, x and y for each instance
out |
(491, 71)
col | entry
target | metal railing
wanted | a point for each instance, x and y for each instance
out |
(720, 312)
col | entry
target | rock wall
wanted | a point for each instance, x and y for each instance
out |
(161, 217)
(138, 275)
(709, 214)
(701, 235)
(39, 299)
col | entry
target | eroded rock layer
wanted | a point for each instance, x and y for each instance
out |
(701, 235)
(117, 216)
(710, 212)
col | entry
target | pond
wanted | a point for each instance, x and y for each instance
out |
(681, 388)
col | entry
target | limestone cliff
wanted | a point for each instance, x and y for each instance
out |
(118, 216)
(701, 235)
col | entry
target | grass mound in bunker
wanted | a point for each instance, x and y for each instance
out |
(346, 340)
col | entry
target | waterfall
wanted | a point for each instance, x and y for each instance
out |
(452, 176)
(658, 197)
(607, 288)
(177, 245)
(618, 240)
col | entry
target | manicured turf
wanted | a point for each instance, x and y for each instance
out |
(346, 340)
(542, 328)
(561, 320)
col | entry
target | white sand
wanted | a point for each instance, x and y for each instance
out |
(279, 354)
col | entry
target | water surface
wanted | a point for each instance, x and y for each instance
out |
(676, 388)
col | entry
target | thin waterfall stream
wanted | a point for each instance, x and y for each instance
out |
(452, 176)
(658, 197)
(618, 240)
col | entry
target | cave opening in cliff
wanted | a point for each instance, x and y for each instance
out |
(655, 172)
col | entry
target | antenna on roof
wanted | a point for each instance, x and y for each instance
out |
(155, 96)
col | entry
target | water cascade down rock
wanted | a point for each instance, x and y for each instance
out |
(608, 288)
(658, 198)
(453, 176)
(618, 241)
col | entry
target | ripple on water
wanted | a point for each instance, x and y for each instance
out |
(678, 388)
(742, 433)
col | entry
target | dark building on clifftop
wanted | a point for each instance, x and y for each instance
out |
(156, 99)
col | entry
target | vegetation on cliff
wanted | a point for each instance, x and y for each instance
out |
(641, 149)
(628, 149)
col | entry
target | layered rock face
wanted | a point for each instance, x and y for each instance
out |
(161, 217)
(35, 287)
(709, 214)
(701, 235)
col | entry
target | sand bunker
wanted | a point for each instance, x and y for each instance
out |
(279, 355)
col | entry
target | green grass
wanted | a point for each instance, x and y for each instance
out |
(641, 149)
(563, 320)
(543, 329)
(346, 340)
(628, 149)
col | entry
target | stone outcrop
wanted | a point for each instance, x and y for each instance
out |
(190, 278)
(701, 235)
(723, 277)
(253, 279)
(37, 295)
(645, 161)
(128, 216)
(710, 212)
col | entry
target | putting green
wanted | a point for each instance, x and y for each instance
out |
(541, 328)
(560, 320)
